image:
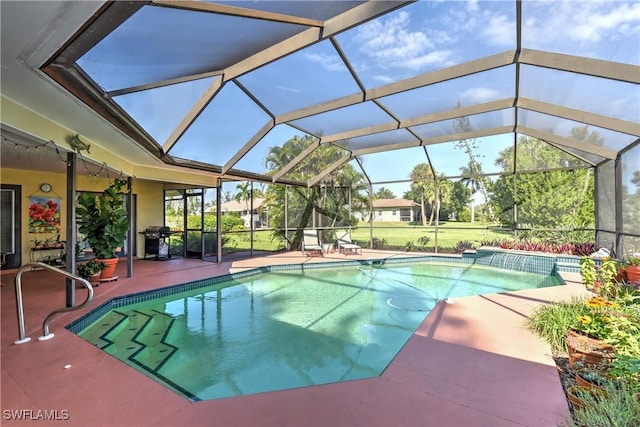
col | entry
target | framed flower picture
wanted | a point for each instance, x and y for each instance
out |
(44, 214)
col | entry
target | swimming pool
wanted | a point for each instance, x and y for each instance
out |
(257, 332)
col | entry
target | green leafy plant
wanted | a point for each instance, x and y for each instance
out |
(88, 269)
(612, 323)
(551, 322)
(631, 259)
(103, 219)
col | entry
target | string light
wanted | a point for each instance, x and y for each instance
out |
(26, 146)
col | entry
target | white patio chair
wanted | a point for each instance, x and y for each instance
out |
(346, 245)
(311, 243)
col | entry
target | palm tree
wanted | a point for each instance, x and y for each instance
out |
(422, 175)
(244, 193)
(445, 191)
(329, 201)
(472, 184)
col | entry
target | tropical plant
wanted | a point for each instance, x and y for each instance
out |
(384, 193)
(601, 279)
(334, 198)
(102, 219)
(423, 186)
(90, 268)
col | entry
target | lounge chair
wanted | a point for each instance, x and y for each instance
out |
(311, 243)
(346, 245)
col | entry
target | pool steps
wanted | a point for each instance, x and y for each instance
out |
(137, 332)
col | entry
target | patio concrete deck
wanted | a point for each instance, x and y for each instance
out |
(470, 363)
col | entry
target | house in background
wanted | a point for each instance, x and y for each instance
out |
(393, 210)
(259, 214)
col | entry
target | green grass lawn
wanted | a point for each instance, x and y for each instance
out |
(397, 234)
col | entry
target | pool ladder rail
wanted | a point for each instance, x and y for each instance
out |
(46, 335)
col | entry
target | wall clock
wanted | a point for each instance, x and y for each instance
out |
(45, 187)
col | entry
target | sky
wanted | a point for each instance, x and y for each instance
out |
(422, 37)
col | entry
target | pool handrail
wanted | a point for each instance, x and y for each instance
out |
(45, 326)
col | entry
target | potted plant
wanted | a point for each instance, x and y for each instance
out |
(631, 264)
(599, 279)
(594, 376)
(91, 270)
(103, 221)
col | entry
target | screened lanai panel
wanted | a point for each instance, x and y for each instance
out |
(356, 116)
(596, 29)
(397, 136)
(160, 110)
(316, 162)
(265, 156)
(555, 199)
(453, 158)
(533, 154)
(224, 127)
(160, 43)
(491, 85)
(393, 165)
(596, 95)
(475, 122)
(398, 189)
(310, 76)
(592, 137)
(605, 197)
(630, 164)
(312, 9)
(582, 156)
(426, 36)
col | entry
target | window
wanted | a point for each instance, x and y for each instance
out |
(393, 212)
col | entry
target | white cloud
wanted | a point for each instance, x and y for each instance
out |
(289, 89)
(328, 62)
(598, 24)
(478, 95)
(583, 23)
(500, 31)
(391, 43)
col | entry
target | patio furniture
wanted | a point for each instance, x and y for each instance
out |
(311, 243)
(346, 245)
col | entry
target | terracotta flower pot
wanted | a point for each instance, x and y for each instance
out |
(110, 270)
(575, 395)
(95, 279)
(585, 378)
(633, 273)
(589, 351)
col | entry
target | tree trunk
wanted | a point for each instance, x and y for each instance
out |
(472, 210)
(423, 213)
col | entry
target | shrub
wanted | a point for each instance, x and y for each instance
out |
(379, 243)
(617, 406)
(551, 322)
(462, 246)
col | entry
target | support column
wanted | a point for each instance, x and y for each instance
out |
(71, 228)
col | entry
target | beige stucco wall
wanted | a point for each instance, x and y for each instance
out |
(148, 195)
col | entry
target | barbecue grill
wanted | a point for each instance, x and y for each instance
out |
(156, 243)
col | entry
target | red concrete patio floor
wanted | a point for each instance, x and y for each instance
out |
(471, 363)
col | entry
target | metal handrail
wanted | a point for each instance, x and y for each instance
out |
(45, 326)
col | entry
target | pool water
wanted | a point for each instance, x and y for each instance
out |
(275, 331)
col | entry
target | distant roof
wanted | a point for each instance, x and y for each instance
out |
(394, 203)
(236, 206)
